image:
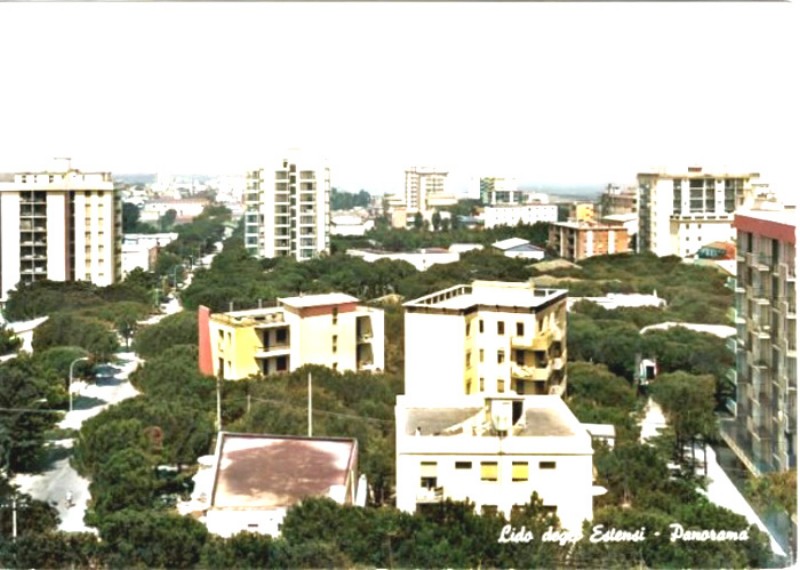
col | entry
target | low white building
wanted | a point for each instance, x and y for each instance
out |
(511, 215)
(495, 451)
(254, 479)
(350, 224)
(421, 259)
(140, 250)
(518, 247)
(621, 300)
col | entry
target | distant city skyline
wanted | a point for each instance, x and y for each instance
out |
(568, 94)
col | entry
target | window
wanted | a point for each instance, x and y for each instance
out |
(480, 355)
(334, 343)
(463, 464)
(281, 364)
(501, 385)
(519, 471)
(280, 336)
(520, 329)
(501, 328)
(480, 326)
(467, 329)
(520, 357)
(501, 357)
(467, 359)
(481, 384)
(335, 315)
(427, 474)
(547, 465)
(221, 335)
(335, 366)
(489, 471)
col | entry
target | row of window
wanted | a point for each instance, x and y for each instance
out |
(501, 328)
(489, 470)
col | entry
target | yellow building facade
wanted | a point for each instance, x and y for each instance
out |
(330, 330)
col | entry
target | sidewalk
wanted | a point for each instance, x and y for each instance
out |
(720, 490)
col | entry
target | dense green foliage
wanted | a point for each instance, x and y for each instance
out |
(173, 330)
(9, 342)
(341, 200)
(67, 329)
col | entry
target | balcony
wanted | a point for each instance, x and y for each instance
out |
(541, 374)
(731, 375)
(365, 338)
(732, 343)
(433, 495)
(272, 350)
(542, 341)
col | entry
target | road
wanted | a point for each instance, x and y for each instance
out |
(54, 484)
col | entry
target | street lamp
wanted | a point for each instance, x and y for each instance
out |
(72, 364)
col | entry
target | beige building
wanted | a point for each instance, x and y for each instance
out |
(425, 189)
(329, 329)
(764, 433)
(487, 338)
(287, 209)
(60, 225)
(680, 212)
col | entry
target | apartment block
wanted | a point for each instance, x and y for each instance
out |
(331, 330)
(680, 212)
(520, 214)
(487, 338)
(482, 418)
(578, 240)
(494, 451)
(425, 189)
(287, 209)
(764, 433)
(61, 225)
(618, 199)
(581, 212)
(497, 191)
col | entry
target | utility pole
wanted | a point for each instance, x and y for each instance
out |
(310, 426)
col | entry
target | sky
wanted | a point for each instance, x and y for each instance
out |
(551, 93)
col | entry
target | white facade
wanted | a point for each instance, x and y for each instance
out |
(61, 225)
(343, 224)
(522, 214)
(287, 209)
(494, 452)
(495, 191)
(490, 338)
(678, 213)
(425, 189)
(421, 260)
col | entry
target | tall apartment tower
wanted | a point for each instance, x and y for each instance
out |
(61, 225)
(421, 185)
(287, 209)
(678, 213)
(764, 434)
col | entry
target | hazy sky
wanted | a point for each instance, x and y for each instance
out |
(559, 92)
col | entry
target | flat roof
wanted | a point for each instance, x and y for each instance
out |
(303, 301)
(269, 471)
(433, 421)
(489, 293)
(546, 422)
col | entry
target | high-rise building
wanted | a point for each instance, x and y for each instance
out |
(61, 225)
(287, 209)
(680, 212)
(764, 433)
(425, 189)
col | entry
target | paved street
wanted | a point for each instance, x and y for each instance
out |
(720, 489)
(53, 485)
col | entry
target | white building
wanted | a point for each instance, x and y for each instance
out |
(287, 209)
(529, 214)
(494, 451)
(521, 248)
(494, 191)
(140, 250)
(254, 479)
(61, 225)
(425, 189)
(680, 212)
(350, 223)
(421, 259)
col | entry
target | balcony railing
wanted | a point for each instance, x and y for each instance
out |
(434, 495)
